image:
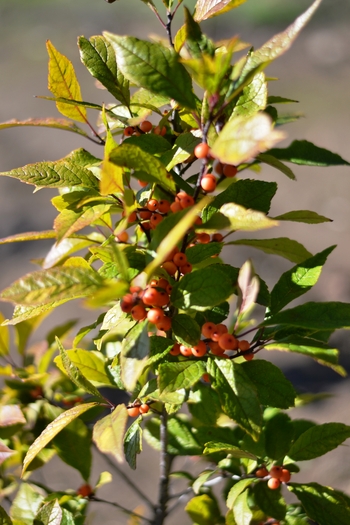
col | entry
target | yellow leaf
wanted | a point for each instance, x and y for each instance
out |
(63, 83)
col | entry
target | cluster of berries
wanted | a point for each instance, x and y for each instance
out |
(137, 408)
(145, 127)
(209, 181)
(276, 476)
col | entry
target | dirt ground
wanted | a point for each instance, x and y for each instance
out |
(316, 71)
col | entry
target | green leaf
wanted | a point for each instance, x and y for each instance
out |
(4, 518)
(50, 514)
(133, 442)
(57, 174)
(152, 144)
(319, 440)
(145, 98)
(237, 489)
(243, 219)
(270, 501)
(48, 286)
(242, 138)
(91, 364)
(201, 289)
(282, 246)
(305, 152)
(322, 354)
(133, 157)
(214, 446)
(253, 98)
(26, 504)
(278, 436)
(274, 389)
(28, 236)
(318, 316)
(205, 407)
(56, 123)
(63, 83)
(203, 510)
(108, 432)
(52, 430)
(238, 395)
(4, 337)
(298, 280)
(322, 504)
(75, 374)
(253, 194)
(181, 151)
(174, 376)
(275, 163)
(206, 9)
(97, 54)
(241, 510)
(153, 67)
(71, 221)
(181, 441)
(134, 355)
(307, 216)
(186, 329)
(200, 252)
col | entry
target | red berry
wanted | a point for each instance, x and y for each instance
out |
(228, 342)
(285, 475)
(133, 411)
(85, 491)
(180, 259)
(208, 183)
(123, 236)
(261, 472)
(184, 199)
(145, 214)
(149, 296)
(208, 329)
(203, 238)
(144, 408)
(146, 126)
(175, 206)
(155, 219)
(273, 483)
(152, 205)
(160, 131)
(201, 150)
(243, 345)
(275, 472)
(170, 267)
(219, 330)
(200, 349)
(175, 349)
(215, 348)
(138, 312)
(128, 131)
(142, 183)
(230, 171)
(155, 315)
(185, 350)
(217, 237)
(186, 268)
(164, 324)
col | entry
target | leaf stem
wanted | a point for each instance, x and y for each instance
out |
(170, 17)
(120, 507)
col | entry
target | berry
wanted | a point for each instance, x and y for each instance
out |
(162, 283)
(175, 349)
(145, 214)
(169, 267)
(206, 378)
(185, 350)
(208, 329)
(230, 171)
(138, 312)
(123, 236)
(155, 219)
(217, 237)
(273, 483)
(160, 131)
(219, 168)
(164, 324)
(208, 183)
(243, 345)
(146, 126)
(85, 491)
(175, 206)
(275, 472)
(180, 259)
(201, 150)
(285, 476)
(184, 199)
(152, 205)
(261, 472)
(132, 217)
(215, 348)
(186, 268)
(163, 206)
(171, 254)
(228, 342)
(128, 131)
(155, 315)
(200, 349)
(133, 411)
(144, 408)
(248, 357)
(219, 330)
(149, 296)
(142, 183)
(203, 238)
(127, 303)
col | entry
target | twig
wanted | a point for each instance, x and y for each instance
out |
(165, 463)
(120, 507)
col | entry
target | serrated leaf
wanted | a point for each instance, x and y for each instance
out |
(71, 221)
(282, 246)
(270, 501)
(50, 514)
(273, 388)
(318, 316)
(253, 194)
(57, 174)
(98, 56)
(63, 83)
(59, 252)
(52, 430)
(24, 313)
(278, 435)
(238, 395)
(133, 157)
(275, 163)
(175, 376)
(306, 153)
(200, 252)
(108, 432)
(134, 355)
(298, 280)
(133, 442)
(322, 504)
(208, 8)
(181, 441)
(253, 98)
(318, 440)
(26, 504)
(45, 287)
(202, 289)
(237, 489)
(186, 329)
(91, 364)
(153, 67)
(203, 510)
(307, 216)
(242, 138)
(214, 446)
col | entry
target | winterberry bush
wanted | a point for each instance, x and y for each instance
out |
(138, 235)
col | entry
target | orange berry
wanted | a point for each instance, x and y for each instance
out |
(200, 349)
(175, 349)
(203, 238)
(261, 472)
(184, 199)
(169, 289)
(146, 126)
(162, 283)
(219, 168)
(123, 236)
(201, 150)
(85, 491)
(138, 312)
(146, 225)
(169, 267)
(128, 131)
(206, 378)
(285, 476)
(228, 342)
(142, 183)
(230, 171)
(217, 237)
(135, 289)
(243, 345)
(132, 217)
(155, 315)
(273, 483)
(171, 254)
(186, 268)
(163, 206)
(215, 348)
(127, 303)
(248, 356)
(208, 329)
(149, 296)
(198, 221)
(180, 259)
(175, 206)
(133, 411)
(155, 219)
(185, 350)
(208, 183)
(145, 214)
(152, 205)
(144, 408)
(160, 131)
(162, 298)
(219, 330)
(164, 324)
(276, 472)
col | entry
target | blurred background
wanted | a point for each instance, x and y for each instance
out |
(316, 72)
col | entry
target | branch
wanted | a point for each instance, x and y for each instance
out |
(120, 507)
(165, 464)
